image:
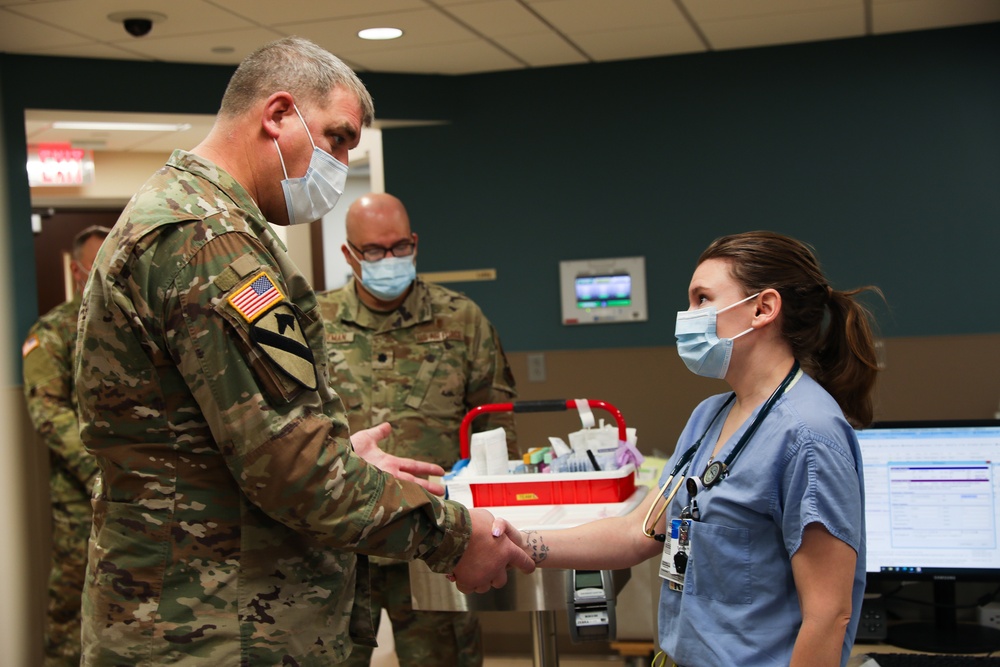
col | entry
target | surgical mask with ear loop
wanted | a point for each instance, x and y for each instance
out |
(314, 195)
(702, 351)
(388, 277)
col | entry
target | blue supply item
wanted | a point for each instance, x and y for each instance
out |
(580, 461)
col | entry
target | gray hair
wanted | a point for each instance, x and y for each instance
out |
(295, 65)
(81, 238)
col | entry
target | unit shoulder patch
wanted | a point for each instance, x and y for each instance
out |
(279, 335)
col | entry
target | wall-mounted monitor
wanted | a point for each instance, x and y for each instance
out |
(596, 291)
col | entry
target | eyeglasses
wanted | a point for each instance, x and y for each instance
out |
(373, 253)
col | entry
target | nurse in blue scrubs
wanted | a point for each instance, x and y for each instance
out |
(759, 523)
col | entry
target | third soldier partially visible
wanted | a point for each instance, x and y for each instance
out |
(419, 356)
(48, 389)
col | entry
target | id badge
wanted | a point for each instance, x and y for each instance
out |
(676, 553)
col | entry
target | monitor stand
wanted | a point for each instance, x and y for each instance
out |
(945, 634)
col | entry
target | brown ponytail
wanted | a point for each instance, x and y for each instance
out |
(830, 332)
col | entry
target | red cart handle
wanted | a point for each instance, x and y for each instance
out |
(551, 405)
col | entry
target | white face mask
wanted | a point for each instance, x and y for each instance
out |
(314, 195)
(702, 351)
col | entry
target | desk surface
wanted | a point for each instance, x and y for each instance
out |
(875, 649)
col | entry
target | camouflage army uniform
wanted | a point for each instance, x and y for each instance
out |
(421, 367)
(48, 389)
(231, 506)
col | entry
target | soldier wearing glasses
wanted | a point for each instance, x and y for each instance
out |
(419, 356)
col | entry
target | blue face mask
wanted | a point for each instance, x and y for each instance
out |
(388, 277)
(702, 351)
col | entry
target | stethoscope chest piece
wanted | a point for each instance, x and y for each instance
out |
(713, 473)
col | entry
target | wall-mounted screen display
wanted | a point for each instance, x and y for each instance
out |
(603, 291)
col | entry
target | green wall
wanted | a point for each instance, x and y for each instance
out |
(883, 152)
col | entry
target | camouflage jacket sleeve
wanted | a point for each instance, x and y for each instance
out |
(48, 391)
(283, 435)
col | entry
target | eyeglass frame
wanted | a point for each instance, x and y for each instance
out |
(383, 251)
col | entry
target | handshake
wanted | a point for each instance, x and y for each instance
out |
(494, 548)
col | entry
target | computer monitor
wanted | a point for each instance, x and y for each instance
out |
(931, 492)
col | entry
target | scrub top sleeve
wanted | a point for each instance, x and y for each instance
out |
(821, 485)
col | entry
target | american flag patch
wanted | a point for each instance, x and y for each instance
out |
(256, 297)
(29, 345)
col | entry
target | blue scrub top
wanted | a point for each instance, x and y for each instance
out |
(803, 465)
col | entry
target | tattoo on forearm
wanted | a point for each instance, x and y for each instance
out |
(535, 545)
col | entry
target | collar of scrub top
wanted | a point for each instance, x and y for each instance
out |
(716, 470)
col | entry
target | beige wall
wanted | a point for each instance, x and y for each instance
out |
(940, 377)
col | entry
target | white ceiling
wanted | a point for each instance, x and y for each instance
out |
(462, 36)
(439, 36)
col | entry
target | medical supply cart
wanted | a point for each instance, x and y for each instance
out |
(534, 502)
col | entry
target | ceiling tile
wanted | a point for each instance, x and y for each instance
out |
(544, 50)
(900, 16)
(420, 28)
(19, 34)
(89, 19)
(642, 42)
(465, 58)
(281, 12)
(498, 18)
(708, 10)
(576, 16)
(199, 48)
(831, 23)
(453, 35)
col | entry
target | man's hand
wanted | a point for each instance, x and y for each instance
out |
(486, 560)
(366, 446)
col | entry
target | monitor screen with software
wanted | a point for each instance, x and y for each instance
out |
(931, 490)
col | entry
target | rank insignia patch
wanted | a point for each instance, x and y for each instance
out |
(256, 297)
(280, 336)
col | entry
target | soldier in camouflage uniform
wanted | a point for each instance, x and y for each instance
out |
(419, 356)
(48, 390)
(233, 515)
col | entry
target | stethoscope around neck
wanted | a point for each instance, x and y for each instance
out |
(715, 471)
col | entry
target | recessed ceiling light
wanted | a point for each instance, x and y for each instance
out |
(100, 125)
(380, 33)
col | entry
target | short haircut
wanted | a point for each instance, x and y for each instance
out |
(295, 65)
(81, 238)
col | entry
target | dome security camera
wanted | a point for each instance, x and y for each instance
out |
(137, 23)
(137, 27)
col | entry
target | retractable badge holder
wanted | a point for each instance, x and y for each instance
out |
(591, 606)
